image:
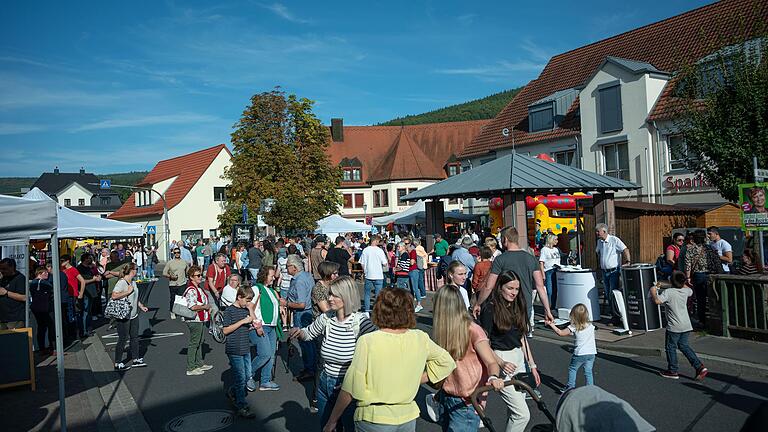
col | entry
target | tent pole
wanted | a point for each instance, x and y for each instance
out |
(26, 276)
(59, 329)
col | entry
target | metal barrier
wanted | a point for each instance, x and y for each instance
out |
(743, 302)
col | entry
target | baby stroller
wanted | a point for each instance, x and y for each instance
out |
(520, 386)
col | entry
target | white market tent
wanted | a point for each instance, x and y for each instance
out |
(37, 216)
(417, 214)
(72, 224)
(335, 224)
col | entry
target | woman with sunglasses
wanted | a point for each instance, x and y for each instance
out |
(197, 300)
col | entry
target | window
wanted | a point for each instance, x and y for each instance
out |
(616, 160)
(384, 197)
(67, 202)
(347, 200)
(376, 199)
(610, 108)
(352, 175)
(81, 202)
(359, 201)
(400, 194)
(541, 118)
(104, 201)
(219, 193)
(356, 174)
(678, 152)
(453, 169)
(412, 190)
(564, 157)
(347, 175)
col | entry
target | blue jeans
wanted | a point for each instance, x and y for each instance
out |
(241, 369)
(679, 340)
(578, 361)
(85, 315)
(302, 319)
(549, 282)
(611, 282)
(150, 269)
(376, 285)
(700, 281)
(328, 388)
(417, 284)
(265, 353)
(403, 282)
(457, 415)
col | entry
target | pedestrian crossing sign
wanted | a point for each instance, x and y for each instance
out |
(151, 229)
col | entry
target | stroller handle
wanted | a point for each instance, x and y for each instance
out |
(511, 382)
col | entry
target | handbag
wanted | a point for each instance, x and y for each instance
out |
(181, 309)
(118, 309)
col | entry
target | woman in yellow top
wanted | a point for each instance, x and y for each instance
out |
(388, 367)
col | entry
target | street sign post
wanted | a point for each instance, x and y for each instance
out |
(105, 184)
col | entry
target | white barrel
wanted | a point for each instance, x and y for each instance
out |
(578, 286)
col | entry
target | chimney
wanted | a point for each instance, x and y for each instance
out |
(82, 170)
(56, 170)
(337, 129)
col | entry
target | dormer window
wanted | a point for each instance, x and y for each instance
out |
(352, 170)
(541, 117)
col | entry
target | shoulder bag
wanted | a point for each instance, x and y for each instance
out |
(181, 308)
(118, 309)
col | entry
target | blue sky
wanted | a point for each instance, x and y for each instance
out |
(117, 86)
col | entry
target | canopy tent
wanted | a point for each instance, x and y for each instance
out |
(335, 224)
(417, 214)
(73, 224)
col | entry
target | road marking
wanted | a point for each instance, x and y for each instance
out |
(154, 336)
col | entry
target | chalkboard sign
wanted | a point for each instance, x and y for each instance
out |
(17, 366)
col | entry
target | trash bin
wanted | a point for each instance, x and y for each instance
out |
(642, 312)
(576, 285)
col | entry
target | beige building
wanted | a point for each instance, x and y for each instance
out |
(194, 192)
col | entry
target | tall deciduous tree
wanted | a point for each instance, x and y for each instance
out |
(725, 119)
(279, 152)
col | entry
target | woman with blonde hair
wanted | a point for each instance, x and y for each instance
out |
(548, 258)
(494, 245)
(466, 342)
(340, 328)
(128, 328)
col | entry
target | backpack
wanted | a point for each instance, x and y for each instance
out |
(663, 267)
(357, 318)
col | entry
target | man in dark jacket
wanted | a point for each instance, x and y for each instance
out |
(13, 288)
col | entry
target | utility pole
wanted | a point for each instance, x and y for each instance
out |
(167, 228)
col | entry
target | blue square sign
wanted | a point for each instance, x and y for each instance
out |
(105, 184)
(151, 229)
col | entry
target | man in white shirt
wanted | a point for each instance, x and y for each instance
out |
(229, 293)
(610, 249)
(723, 248)
(373, 260)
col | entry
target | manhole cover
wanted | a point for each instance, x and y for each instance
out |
(201, 421)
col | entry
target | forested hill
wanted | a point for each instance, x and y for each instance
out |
(479, 109)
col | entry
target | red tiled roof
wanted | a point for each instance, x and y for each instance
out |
(403, 152)
(187, 168)
(668, 45)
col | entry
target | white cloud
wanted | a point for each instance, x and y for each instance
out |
(499, 69)
(282, 11)
(19, 128)
(466, 19)
(149, 120)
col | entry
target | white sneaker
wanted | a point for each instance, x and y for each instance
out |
(418, 308)
(433, 407)
(195, 372)
(205, 367)
(173, 316)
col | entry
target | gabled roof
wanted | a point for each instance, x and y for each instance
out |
(373, 145)
(517, 172)
(52, 183)
(405, 161)
(187, 169)
(666, 45)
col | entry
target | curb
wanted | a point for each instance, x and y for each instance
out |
(116, 398)
(743, 367)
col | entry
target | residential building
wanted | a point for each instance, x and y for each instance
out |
(79, 191)
(194, 191)
(610, 106)
(383, 163)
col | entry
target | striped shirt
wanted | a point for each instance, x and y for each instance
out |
(339, 343)
(237, 341)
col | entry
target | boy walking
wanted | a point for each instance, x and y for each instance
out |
(237, 324)
(678, 326)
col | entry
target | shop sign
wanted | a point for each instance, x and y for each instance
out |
(687, 184)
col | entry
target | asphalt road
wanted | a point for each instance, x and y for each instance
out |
(166, 396)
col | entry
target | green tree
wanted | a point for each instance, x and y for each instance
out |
(279, 152)
(725, 115)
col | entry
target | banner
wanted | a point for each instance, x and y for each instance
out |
(754, 216)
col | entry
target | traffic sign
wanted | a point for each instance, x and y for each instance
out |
(105, 184)
(151, 229)
(761, 174)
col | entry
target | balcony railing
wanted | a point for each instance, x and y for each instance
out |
(743, 305)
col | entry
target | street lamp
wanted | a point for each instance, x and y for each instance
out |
(365, 215)
(165, 209)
